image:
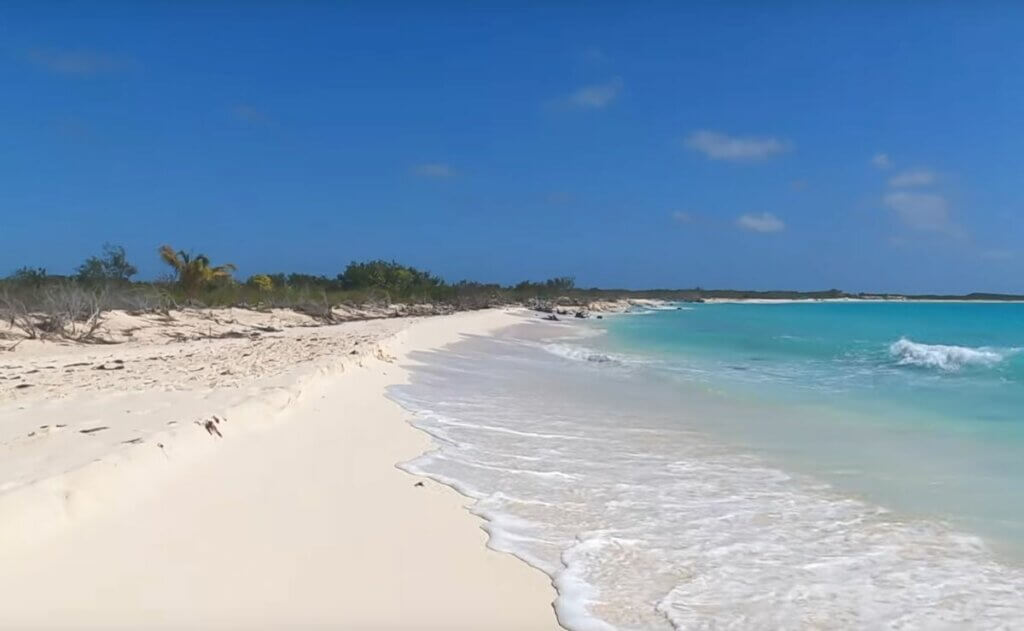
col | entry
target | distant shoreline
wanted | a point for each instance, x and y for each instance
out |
(863, 300)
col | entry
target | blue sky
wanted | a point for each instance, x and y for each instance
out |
(865, 146)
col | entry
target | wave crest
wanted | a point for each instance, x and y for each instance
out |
(948, 358)
(580, 353)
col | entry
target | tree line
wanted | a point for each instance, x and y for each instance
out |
(194, 278)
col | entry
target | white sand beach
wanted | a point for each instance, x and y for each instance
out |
(237, 470)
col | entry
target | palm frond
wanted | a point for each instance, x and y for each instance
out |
(169, 256)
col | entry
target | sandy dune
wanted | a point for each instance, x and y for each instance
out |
(245, 481)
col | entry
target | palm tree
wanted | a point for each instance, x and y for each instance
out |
(194, 272)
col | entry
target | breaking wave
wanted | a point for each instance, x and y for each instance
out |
(595, 478)
(581, 353)
(943, 357)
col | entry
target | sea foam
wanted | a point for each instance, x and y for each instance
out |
(644, 524)
(944, 357)
(581, 353)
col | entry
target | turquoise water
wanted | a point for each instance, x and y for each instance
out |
(958, 360)
(917, 405)
(746, 466)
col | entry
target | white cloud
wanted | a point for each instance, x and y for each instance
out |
(722, 147)
(912, 178)
(82, 63)
(881, 160)
(763, 222)
(926, 212)
(596, 96)
(434, 169)
(680, 216)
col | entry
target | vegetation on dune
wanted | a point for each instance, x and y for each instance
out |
(112, 267)
(28, 276)
(388, 276)
(194, 273)
(70, 307)
(44, 305)
(261, 282)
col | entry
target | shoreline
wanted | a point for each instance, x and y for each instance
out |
(280, 495)
(184, 528)
(651, 496)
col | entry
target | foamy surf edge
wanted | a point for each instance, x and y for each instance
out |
(720, 500)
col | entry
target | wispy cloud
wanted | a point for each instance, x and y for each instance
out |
(434, 169)
(763, 222)
(250, 114)
(597, 96)
(680, 216)
(881, 160)
(927, 212)
(80, 63)
(912, 178)
(717, 146)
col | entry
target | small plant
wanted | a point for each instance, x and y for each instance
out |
(18, 315)
(194, 273)
(63, 311)
(260, 282)
(72, 313)
(29, 276)
(113, 267)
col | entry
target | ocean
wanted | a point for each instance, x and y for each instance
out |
(833, 465)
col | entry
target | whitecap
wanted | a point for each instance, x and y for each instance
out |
(580, 353)
(945, 357)
(642, 525)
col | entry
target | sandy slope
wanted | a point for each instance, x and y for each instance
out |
(296, 516)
